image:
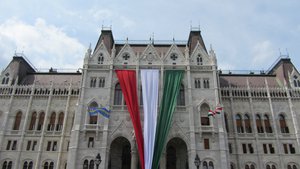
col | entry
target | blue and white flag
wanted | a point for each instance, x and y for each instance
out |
(102, 110)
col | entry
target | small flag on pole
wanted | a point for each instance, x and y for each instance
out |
(211, 113)
(219, 109)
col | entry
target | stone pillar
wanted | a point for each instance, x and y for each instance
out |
(163, 162)
(134, 159)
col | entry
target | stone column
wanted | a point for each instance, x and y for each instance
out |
(134, 159)
(163, 161)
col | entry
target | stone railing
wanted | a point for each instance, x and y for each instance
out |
(259, 92)
(41, 90)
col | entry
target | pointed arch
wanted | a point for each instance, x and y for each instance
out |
(41, 121)
(267, 123)
(181, 96)
(283, 125)
(118, 96)
(52, 121)
(239, 124)
(204, 108)
(32, 121)
(93, 117)
(247, 122)
(60, 121)
(17, 122)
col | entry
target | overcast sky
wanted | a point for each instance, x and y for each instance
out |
(244, 34)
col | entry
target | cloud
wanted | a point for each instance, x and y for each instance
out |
(263, 52)
(44, 45)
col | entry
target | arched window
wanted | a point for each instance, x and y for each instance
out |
(85, 164)
(52, 122)
(100, 59)
(247, 166)
(252, 166)
(17, 121)
(51, 166)
(180, 98)
(289, 167)
(30, 166)
(283, 127)
(9, 166)
(267, 123)
(41, 121)
(32, 121)
(60, 121)
(273, 167)
(7, 80)
(4, 166)
(118, 95)
(259, 126)
(91, 164)
(226, 122)
(247, 124)
(25, 165)
(268, 167)
(239, 125)
(232, 166)
(93, 115)
(199, 60)
(46, 165)
(210, 165)
(205, 165)
(203, 115)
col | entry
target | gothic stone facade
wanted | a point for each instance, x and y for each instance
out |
(45, 121)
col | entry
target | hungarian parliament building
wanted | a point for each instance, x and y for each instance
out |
(46, 120)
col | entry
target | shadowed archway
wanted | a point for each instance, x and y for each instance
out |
(177, 156)
(120, 154)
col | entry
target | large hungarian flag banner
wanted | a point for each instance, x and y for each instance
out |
(150, 81)
(172, 80)
(127, 79)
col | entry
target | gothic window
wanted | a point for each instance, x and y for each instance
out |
(52, 122)
(251, 150)
(48, 148)
(232, 166)
(205, 165)
(180, 98)
(54, 146)
(244, 148)
(14, 145)
(85, 164)
(252, 166)
(296, 81)
(226, 122)
(41, 121)
(230, 148)
(60, 121)
(203, 115)
(283, 126)
(210, 165)
(8, 145)
(32, 121)
(206, 83)
(247, 124)
(46, 165)
(239, 125)
(17, 121)
(268, 167)
(199, 60)
(3, 80)
(91, 142)
(51, 166)
(247, 166)
(27, 165)
(118, 95)
(28, 145)
(100, 58)
(197, 83)
(291, 166)
(93, 82)
(259, 124)
(101, 82)
(267, 123)
(206, 144)
(91, 166)
(93, 116)
(7, 165)
(7, 80)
